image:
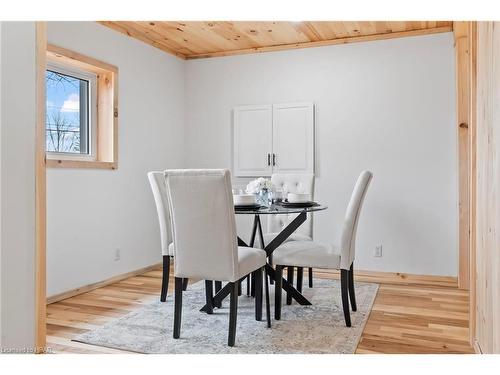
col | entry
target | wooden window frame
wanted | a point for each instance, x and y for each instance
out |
(106, 144)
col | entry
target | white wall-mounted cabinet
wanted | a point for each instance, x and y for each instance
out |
(273, 138)
(253, 140)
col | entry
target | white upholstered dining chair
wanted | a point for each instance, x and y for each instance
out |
(206, 244)
(159, 188)
(312, 254)
(292, 183)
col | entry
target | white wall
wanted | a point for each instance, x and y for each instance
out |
(91, 213)
(387, 106)
(17, 184)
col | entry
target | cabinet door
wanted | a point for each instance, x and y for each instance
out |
(253, 140)
(293, 138)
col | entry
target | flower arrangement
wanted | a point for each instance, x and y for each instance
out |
(258, 185)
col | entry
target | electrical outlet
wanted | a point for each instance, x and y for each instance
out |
(117, 254)
(378, 251)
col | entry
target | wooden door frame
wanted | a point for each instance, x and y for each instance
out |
(472, 179)
(465, 33)
(462, 65)
(40, 191)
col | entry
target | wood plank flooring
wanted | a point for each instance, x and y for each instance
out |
(404, 318)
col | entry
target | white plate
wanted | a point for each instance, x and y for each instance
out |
(299, 197)
(244, 199)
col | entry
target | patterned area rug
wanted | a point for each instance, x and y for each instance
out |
(319, 328)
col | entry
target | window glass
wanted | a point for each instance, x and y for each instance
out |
(67, 113)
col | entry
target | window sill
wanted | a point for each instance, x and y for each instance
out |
(60, 163)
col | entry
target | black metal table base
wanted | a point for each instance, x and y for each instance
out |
(273, 245)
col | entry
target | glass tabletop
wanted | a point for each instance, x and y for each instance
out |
(277, 209)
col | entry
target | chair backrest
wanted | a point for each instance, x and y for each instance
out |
(159, 188)
(348, 237)
(203, 224)
(292, 183)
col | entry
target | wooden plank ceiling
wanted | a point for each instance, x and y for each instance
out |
(198, 39)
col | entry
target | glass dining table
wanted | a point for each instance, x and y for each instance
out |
(293, 225)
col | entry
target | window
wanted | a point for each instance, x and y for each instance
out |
(81, 111)
(70, 125)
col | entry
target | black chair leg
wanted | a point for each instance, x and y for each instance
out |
(278, 280)
(185, 284)
(310, 277)
(352, 294)
(270, 258)
(300, 275)
(178, 307)
(165, 277)
(233, 312)
(209, 295)
(248, 285)
(289, 279)
(268, 306)
(252, 285)
(344, 284)
(239, 287)
(218, 287)
(257, 274)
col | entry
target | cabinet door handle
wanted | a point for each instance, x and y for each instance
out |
(274, 159)
(268, 160)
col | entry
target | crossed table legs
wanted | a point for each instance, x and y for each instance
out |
(269, 249)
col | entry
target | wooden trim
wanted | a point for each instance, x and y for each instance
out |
(61, 163)
(107, 113)
(321, 43)
(462, 56)
(140, 36)
(107, 109)
(60, 54)
(359, 275)
(40, 193)
(364, 276)
(188, 39)
(477, 347)
(472, 178)
(395, 278)
(100, 284)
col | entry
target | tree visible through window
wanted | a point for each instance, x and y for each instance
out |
(67, 113)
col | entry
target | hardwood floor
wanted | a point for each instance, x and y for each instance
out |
(415, 319)
(404, 318)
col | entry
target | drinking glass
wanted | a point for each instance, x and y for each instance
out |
(276, 196)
